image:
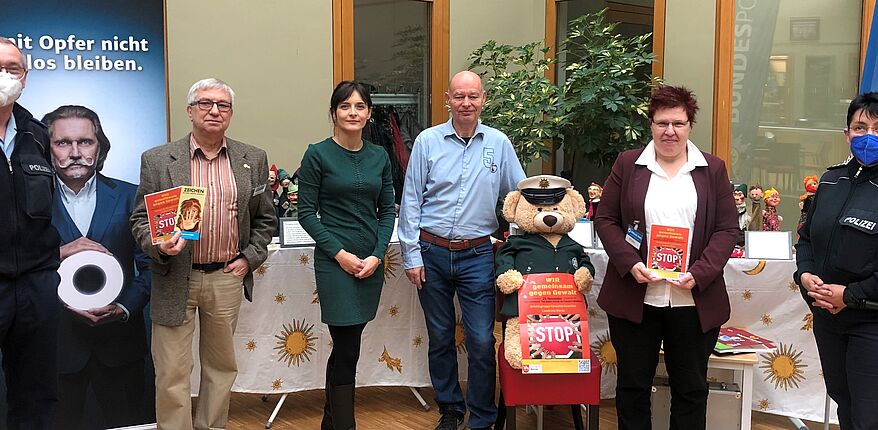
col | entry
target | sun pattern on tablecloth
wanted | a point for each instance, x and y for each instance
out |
(783, 367)
(260, 271)
(251, 345)
(392, 262)
(793, 287)
(391, 362)
(393, 311)
(764, 404)
(277, 384)
(315, 299)
(747, 295)
(417, 342)
(808, 319)
(767, 319)
(280, 298)
(304, 259)
(605, 352)
(296, 342)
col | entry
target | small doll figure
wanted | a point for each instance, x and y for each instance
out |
(756, 209)
(805, 200)
(280, 194)
(771, 219)
(741, 205)
(291, 209)
(594, 199)
(272, 182)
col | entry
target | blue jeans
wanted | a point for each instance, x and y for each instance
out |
(469, 273)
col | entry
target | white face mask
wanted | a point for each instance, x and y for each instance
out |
(10, 89)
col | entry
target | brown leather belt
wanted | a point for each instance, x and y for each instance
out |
(453, 245)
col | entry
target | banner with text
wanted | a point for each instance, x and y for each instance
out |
(553, 321)
(755, 21)
(107, 56)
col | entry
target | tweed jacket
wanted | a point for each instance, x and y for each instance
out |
(168, 166)
(714, 235)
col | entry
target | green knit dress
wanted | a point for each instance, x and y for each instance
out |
(352, 191)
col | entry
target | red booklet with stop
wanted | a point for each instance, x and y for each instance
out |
(668, 251)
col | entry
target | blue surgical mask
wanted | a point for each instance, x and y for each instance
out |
(865, 149)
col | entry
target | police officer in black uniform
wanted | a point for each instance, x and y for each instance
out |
(837, 259)
(29, 256)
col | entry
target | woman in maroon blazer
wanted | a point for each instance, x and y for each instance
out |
(668, 183)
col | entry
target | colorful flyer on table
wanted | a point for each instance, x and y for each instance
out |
(175, 209)
(553, 322)
(668, 251)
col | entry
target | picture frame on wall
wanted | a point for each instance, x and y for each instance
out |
(804, 29)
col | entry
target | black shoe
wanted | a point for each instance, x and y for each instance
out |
(450, 420)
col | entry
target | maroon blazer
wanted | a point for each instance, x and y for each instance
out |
(713, 237)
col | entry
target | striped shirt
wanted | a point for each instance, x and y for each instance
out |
(219, 218)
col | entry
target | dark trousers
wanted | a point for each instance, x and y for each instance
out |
(341, 368)
(848, 347)
(29, 310)
(119, 392)
(687, 350)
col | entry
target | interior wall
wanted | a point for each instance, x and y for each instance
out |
(275, 54)
(473, 23)
(689, 56)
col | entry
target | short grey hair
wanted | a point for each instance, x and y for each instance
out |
(6, 41)
(209, 84)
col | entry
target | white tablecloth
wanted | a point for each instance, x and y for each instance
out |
(394, 352)
(282, 346)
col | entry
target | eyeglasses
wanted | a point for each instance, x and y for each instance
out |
(678, 125)
(207, 105)
(861, 129)
(14, 70)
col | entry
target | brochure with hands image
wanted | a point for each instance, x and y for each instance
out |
(176, 209)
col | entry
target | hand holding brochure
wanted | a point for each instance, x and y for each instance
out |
(668, 251)
(173, 210)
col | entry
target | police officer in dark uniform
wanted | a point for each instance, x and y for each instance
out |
(837, 259)
(29, 256)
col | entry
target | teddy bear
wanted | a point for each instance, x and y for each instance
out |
(545, 208)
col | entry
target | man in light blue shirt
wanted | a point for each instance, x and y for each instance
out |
(456, 174)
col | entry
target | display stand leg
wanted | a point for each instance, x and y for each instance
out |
(826, 413)
(277, 407)
(420, 399)
(798, 423)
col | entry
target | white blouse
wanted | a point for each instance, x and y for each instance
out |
(670, 201)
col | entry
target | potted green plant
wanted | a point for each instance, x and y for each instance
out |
(596, 113)
(523, 102)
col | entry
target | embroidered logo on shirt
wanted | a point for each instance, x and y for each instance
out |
(488, 159)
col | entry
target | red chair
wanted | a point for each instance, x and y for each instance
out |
(518, 389)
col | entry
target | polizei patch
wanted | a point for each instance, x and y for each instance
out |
(865, 225)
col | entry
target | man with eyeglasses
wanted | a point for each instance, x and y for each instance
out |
(29, 258)
(207, 275)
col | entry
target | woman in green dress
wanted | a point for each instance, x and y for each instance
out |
(348, 182)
